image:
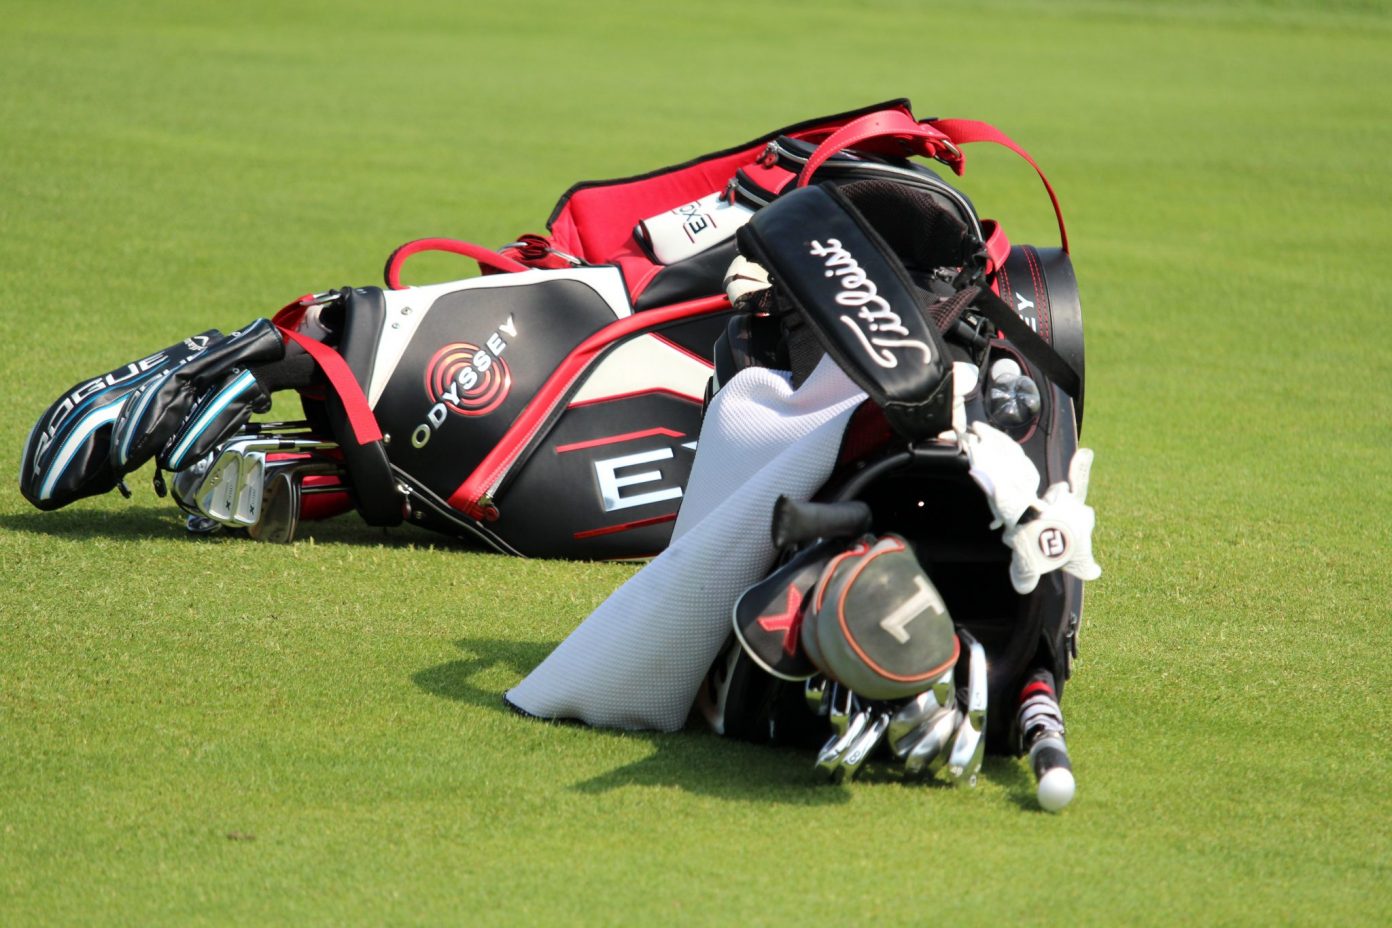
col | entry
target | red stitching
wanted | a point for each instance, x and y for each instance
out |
(1041, 296)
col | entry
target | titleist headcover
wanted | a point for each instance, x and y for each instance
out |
(845, 282)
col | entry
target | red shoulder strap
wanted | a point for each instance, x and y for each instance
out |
(919, 138)
(360, 417)
(938, 138)
(486, 257)
(967, 131)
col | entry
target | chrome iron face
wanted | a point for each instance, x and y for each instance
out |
(940, 729)
(929, 750)
(907, 725)
(858, 729)
(969, 745)
(861, 748)
(253, 481)
(848, 721)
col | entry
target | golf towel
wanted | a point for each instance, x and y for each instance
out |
(638, 660)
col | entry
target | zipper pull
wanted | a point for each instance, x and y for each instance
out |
(487, 511)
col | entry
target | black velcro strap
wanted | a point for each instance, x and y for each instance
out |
(1035, 349)
(842, 278)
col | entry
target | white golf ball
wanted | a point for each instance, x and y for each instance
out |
(1056, 789)
(1003, 370)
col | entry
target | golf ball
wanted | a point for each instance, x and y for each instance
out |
(1056, 789)
(1004, 369)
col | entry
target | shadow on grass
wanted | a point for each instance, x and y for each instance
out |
(134, 522)
(137, 522)
(693, 760)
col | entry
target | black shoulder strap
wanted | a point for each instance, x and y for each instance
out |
(1035, 349)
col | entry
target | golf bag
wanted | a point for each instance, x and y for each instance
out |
(547, 408)
(889, 496)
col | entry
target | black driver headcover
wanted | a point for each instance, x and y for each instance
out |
(832, 270)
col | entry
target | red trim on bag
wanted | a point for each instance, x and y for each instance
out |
(615, 529)
(355, 405)
(534, 415)
(615, 439)
(705, 362)
(323, 496)
(614, 398)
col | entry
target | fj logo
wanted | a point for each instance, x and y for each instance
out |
(1053, 542)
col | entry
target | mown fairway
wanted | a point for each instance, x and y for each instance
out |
(208, 731)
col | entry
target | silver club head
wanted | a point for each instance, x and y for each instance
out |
(969, 746)
(217, 495)
(280, 509)
(914, 713)
(929, 749)
(834, 751)
(840, 705)
(231, 489)
(860, 750)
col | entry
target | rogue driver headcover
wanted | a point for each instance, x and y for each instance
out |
(876, 622)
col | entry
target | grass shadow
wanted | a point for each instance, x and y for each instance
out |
(132, 523)
(139, 522)
(693, 759)
(1015, 776)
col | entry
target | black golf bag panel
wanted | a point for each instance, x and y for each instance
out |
(924, 493)
(534, 411)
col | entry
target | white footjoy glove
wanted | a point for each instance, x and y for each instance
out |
(1060, 537)
(1003, 471)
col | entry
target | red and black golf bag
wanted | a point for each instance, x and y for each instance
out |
(552, 406)
(547, 408)
(947, 538)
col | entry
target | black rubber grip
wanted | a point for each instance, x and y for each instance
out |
(1047, 756)
(796, 523)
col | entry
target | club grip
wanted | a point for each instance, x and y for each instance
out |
(1049, 752)
(796, 522)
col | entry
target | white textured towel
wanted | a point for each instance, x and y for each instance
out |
(638, 660)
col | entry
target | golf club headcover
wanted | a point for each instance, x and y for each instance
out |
(193, 407)
(834, 274)
(67, 454)
(175, 405)
(877, 624)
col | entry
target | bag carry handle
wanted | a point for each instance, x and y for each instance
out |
(486, 257)
(935, 138)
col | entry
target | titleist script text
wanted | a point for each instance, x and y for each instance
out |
(859, 292)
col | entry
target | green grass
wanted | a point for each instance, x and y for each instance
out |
(205, 731)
